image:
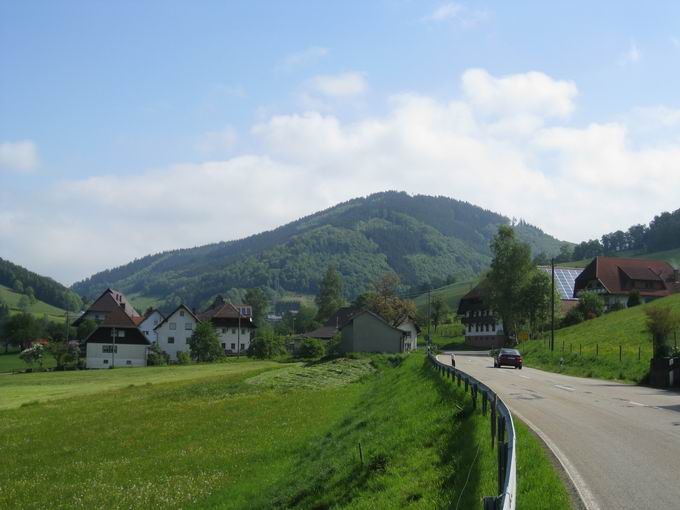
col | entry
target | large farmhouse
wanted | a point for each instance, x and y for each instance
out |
(615, 278)
(173, 332)
(117, 342)
(233, 323)
(482, 327)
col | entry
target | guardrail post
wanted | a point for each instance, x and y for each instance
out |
(484, 401)
(466, 384)
(458, 378)
(502, 463)
(493, 421)
(473, 392)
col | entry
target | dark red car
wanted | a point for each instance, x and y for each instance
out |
(509, 358)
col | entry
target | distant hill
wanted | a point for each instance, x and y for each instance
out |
(426, 240)
(43, 288)
(38, 308)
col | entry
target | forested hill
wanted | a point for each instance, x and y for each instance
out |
(45, 289)
(424, 239)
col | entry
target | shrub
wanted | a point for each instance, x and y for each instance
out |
(573, 316)
(156, 357)
(661, 322)
(591, 304)
(266, 345)
(634, 298)
(33, 354)
(204, 343)
(617, 306)
(310, 348)
(183, 358)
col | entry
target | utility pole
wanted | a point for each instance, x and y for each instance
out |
(238, 335)
(552, 306)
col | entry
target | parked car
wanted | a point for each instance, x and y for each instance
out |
(509, 358)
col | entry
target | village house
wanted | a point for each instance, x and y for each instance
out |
(615, 278)
(233, 323)
(175, 330)
(565, 279)
(149, 323)
(117, 342)
(366, 331)
(482, 327)
(332, 327)
(108, 301)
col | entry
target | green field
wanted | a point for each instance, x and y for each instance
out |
(10, 362)
(241, 435)
(451, 294)
(11, 299)
(591, 349)
(671, 256)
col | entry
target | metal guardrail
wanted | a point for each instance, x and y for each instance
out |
(502, 434)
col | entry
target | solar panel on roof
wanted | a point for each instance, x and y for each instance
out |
(564, 280)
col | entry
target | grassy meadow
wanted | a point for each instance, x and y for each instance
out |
(39, 308)
(252, 435)
(10, 362)
(451, 294)
(591, 349)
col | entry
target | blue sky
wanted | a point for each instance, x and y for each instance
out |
(127, 128)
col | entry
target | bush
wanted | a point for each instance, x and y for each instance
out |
(591, 304)
(310, 348)
(661, 322)
(616, 307)
(634, 298)
(266, 345)
(573, 316)
(156, 357)
(205, 344)
(183, 358)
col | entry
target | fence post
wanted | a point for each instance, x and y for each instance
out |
(597, 350)
(620, 353)
(639, 352)
(570, 347)
(580, 350)
(562, 346)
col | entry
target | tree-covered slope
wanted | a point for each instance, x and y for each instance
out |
(45, 289)
(426, 240)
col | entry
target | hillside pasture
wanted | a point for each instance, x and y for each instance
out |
(450, 294)
(39, 308)
(591, 349)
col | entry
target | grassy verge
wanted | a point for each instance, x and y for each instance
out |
(591, 349)
(10, 362)
(256, 438)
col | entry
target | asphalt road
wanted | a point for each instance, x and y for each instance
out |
(619, 444)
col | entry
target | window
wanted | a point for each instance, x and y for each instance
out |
(233, 346)
(171, 339)
(243, 346)
(181, 313)
(173, 326)
(243, 331)
(188, 326)
(224, 346)
(233, 331)
(121, 333)
(108, 348)
(106, 362)
(146, 333)
(128, 362)
(224, 330)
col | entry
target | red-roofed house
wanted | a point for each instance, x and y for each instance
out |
(109, 300)
(615, 278)
(233, 323)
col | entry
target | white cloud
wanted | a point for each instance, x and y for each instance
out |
(217, 142)
(339, 85)
(508, 148)
(531, 93)
(302, 58)
(632, 56)
(19, 156)
(459, 13)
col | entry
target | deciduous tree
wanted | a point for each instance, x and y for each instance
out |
(330, 297)
(204, 343)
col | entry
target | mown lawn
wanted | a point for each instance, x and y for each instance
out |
(252, 437)
(591, 349)
(11, 361)
(39, 308)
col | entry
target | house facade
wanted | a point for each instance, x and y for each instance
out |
(368, 332)
(411, 331)
(117, 342)
(175, 330)
(149, 323)
(482, 327)
(616, 278)
(234, 325)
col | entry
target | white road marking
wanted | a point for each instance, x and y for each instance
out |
(525, 377)
(637, 403)
(587, 497)
(568, 388)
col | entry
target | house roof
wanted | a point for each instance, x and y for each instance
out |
(610, 272)
(474, 298)
(117, 318)
(374, 315)
(227, 314)
(324, 332)
(110, 299)
(181, 306)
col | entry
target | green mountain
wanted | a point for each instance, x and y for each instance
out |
(35, 286)
(426, 240)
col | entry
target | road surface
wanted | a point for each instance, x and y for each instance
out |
(619, 444)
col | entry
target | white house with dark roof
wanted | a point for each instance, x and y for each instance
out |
(233, 323)
(117, 342)
(108, 301)
(175, 330)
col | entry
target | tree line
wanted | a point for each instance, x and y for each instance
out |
(662, 233)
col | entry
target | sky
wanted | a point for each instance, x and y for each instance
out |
(129, 128)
